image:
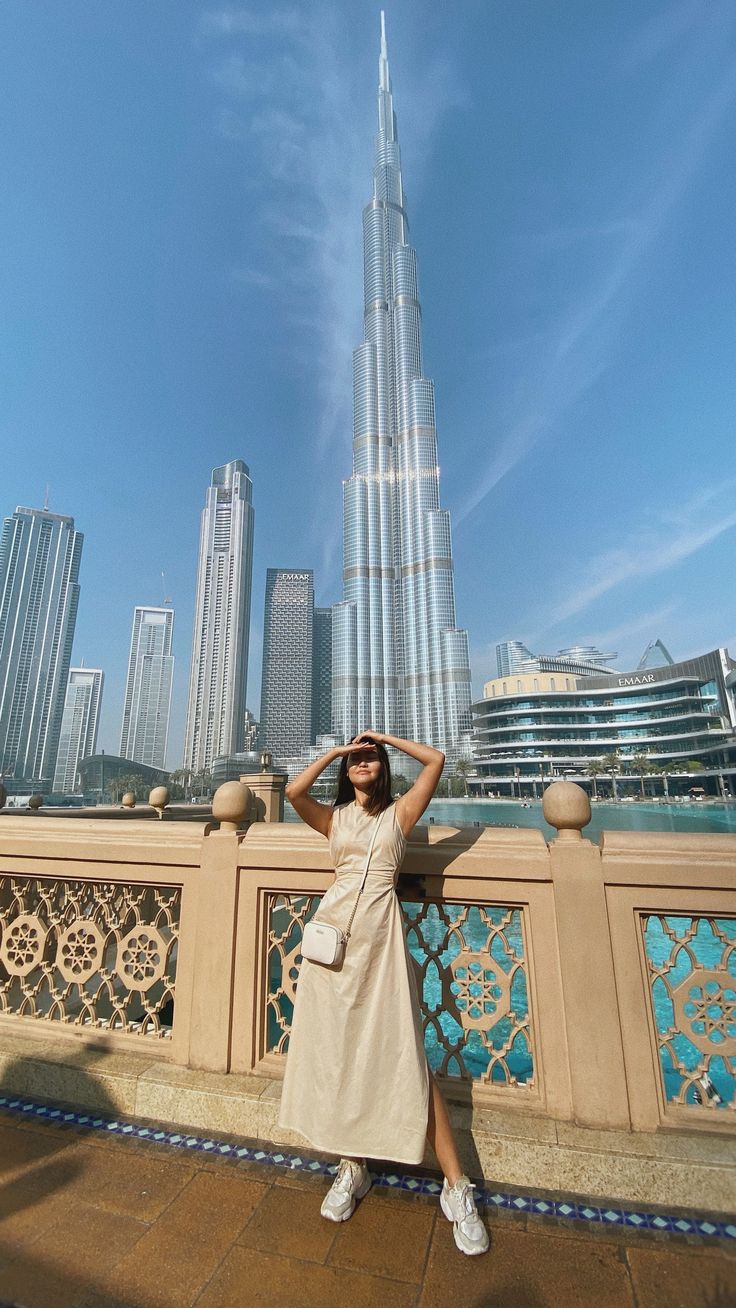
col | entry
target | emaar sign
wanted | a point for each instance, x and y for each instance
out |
(637, 681)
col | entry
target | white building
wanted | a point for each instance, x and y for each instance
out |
(219, 671)
(147, 706)
(80, 719)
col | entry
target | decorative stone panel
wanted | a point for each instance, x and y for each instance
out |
(691, 963)
(470, 967)
(97, 954)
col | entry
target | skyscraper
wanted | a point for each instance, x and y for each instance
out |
(40, 553)
(286, 685)
(219, 672)
(78, 737)
(147, 704)
(399, 662)
(510, 657)
(322, 673)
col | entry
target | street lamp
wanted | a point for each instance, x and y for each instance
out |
(266, 760)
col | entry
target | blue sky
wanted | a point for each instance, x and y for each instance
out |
(181, 268)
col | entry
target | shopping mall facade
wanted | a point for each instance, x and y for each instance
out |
(529, 729)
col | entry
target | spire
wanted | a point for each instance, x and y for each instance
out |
(384, 80)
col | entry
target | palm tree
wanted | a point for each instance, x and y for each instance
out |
(463, 767)
(611, 763)
(119, 786)
(178, 781)
(594, 771)
(640, 763)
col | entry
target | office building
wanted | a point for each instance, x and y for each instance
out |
(145, 729)
(534, 727)
(322, 674)
(79, 722)
(510, 656)
(219, 670)
(251, 730)
(399, 662)
(286, 684)
(40, 554)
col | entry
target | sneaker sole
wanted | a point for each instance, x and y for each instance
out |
(471, 1250)
(344, 1217)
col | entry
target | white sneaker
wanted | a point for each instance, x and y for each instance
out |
(351, 1183)
(458, 1205)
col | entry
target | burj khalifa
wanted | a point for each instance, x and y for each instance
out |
(399, 663)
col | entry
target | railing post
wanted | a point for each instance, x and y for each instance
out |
(215, 930)
(597, 1069)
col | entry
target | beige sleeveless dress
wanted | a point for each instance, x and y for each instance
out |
(357, 1081)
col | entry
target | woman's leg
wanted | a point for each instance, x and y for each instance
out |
(440, 1134)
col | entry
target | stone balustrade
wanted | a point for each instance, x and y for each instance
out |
(566, 988)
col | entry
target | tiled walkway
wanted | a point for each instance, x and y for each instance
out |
(100, 1219)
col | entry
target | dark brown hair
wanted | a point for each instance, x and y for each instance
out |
(380, 797)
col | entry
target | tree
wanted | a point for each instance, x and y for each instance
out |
(595, 770)
(201, 783)
(463, 768)
(400, 784)
(178, 781)
(120, 786)
(640, 764)
(611, 763)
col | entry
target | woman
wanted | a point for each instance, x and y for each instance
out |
(357, 1081)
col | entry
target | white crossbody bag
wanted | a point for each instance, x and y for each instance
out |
(324, 943)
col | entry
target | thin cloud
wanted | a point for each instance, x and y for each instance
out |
(678, 535)
(661, 32)
(647, 625)
(243, 21)
(580, 346)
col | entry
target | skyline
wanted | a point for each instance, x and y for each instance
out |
(572, 199)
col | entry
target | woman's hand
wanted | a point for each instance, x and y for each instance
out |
(369, 738)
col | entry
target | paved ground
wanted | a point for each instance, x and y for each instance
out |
(106, 1222)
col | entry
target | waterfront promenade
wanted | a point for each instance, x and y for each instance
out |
(577, 1005)
(92, 1219)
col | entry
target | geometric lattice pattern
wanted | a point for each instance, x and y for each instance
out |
(89, 953)
(471, 978)
(692, 987)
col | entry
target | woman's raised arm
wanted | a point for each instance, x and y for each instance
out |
(314, 814)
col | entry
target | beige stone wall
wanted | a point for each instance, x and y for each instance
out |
(101, 921)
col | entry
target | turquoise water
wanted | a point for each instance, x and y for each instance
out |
(622, 816)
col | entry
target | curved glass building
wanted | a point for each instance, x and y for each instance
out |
(399, 663)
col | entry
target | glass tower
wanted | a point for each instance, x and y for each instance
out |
(399, 662)
(218, 678)
(40, 554)
(286, 691)
(79, 723)
(147, 705)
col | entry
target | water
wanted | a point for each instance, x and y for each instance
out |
(622, 816)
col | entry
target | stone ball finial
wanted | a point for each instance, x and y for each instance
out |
(128, 800)
(35, 802)
(158, 798)
(566, 807)
(231, 804)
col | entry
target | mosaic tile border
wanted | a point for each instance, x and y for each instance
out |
(573, 1209)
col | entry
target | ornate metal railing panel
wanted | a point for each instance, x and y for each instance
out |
(96, 954)
(692, 986)
(471, 977)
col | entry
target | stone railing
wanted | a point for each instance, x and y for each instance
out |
(585, 984)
